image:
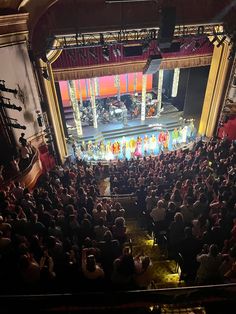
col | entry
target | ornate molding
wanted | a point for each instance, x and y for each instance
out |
(13, 29)
(128, 67)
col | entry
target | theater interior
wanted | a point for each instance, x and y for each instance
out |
(118, 156)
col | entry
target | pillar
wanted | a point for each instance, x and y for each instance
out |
(80, 95)
(117, 84)
(144, 90)
(75, 106)
(175, 83)
(215, 90)
(93, 102)
(159, 91)
(54, 112)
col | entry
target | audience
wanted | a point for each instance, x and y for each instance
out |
(64, 226)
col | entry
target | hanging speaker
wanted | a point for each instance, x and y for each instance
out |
(167, 27)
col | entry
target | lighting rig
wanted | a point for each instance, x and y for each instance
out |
(5, 104)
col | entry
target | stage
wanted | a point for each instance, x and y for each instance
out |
(135, 139)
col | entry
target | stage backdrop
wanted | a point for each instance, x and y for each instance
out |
(129, 84)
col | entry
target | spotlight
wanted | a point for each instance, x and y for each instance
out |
(8, 105)
(45, 74)
(3, 88)
(106, 53)
(118, 52)
(221, 41)
(196, 46)
(115, 53)
(17, 126)
(92, 54)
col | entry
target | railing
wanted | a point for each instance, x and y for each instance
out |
(98, 301)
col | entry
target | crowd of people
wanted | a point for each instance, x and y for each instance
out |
(64, 236)
(187, 198)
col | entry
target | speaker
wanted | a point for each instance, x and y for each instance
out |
(133, 51)
(167, 27)
(152, 65)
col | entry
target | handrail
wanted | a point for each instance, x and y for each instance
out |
(68, 302)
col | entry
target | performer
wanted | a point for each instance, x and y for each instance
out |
(138, 148)
(145, 144)
(90, 148)
(161, 140)
(116, 148)
(184, 134)
(123, 147)
(153, 143)
(132, 145)
(166, 139)
(175, 135)
(109, 154)
(102, 149)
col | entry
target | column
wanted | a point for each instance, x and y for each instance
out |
(80, 95)
(93, 102)
(175, 83)
(159, 91)
(75, 106)
(144, 90)
(117, 85)
(54, 112)
(215, 90)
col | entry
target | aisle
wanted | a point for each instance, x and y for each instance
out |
(165, 272)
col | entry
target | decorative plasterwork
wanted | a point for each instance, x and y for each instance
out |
(13, 29)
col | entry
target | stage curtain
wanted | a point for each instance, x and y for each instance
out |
(128, 67)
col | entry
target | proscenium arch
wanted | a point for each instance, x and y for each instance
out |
(213, 97)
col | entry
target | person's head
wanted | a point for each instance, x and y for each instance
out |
(213, 251)
(119, 222)
(99, 207)
(108, 236)
(188, 232)
(91, 263)
(178, 217)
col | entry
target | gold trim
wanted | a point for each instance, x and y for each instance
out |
(127, 67)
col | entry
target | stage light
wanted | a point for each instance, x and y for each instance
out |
(17, 126)
(3, 88)
(115, 53)
(106, 53)
(92, 54)
(8, 105)
(196, 46)
(45, 74)
(221, 41)
(118, 52)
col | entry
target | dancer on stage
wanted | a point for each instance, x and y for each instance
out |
(116, 149)
(153, 143)
(132, 145)
(102, 149)
(161, 140)
(166, 139)
(123, 147)
(138, 148)
(145, 144)
(175, 135)
(109, 154)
